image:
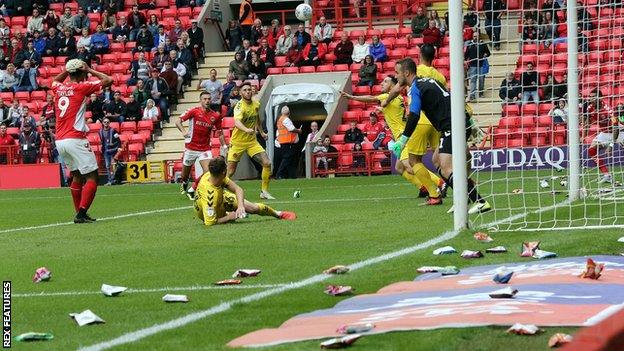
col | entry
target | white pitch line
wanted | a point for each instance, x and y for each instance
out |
(225, 306)
(139, 291)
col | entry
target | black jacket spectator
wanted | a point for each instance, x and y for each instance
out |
(133, 110)
(267, 55)
(471, 18)
(234, 36)
(68, 46)
(510, 89)
(162, 86)
(343, 52)
(529, 80)
(115, 110)
(27, 54)
(123, 31)
(96, 107)
(110, 141)
(85, 56)
(561, 89)
(301, 39)
(136, 20)
(29, 141)
(53, 44)
(475, 53)
(144, 40)
(196, 35)
(354, 135)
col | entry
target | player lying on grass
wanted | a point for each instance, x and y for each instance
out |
(410, 165)
(219, 200)
(429, 96)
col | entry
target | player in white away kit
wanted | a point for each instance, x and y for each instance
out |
(203, 121)
(71, 131)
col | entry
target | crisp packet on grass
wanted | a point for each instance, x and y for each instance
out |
(243, 273)
(428, 269)
(528, 248)
(559, 339)
(621, 240)
(483, 237)
(228, 282)
(86, 317)
(542, 254)
(175, 298)
(338, 290)
(471, 254)
(592, 270)
(111, 290)
(338, 269)
(523, 329)
(339, 343)
(502, 278)
(444, 250)
(506, 293)
(32, 336)
(449, 270)
(496, 249)
(355, 328)
(42, 275)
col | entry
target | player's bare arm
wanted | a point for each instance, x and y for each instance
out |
(178, 124)
(392, 94)
(239, 124)
(240, 198)
(364, 98)
(105, 79)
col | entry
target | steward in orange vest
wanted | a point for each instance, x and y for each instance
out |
(287, 139)
(246, 18)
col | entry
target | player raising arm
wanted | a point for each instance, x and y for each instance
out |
(71, 131)
(219, 200)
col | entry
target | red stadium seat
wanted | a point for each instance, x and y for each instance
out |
(351, 116)
(274, 70)
(389, 33)
(355, 67)
(307, 69)
(509, 122)
(343, 128)
(22, 96)
(529, 110)
(38, 95)
(280, 61)
(137, 139)
(114, 125)
(128, 127)
(341, 67)
(290, 70)
(401, 43)
(337, 139)
(354, 34)
(361, 90)
(325, 68)
(94, 127)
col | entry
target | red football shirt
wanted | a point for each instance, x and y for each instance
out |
(70, 101)
(372, 130)
(604, 117)
(201, 125)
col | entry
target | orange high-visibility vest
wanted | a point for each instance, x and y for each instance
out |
(283, 135)
(247, 21)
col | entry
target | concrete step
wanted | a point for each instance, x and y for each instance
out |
(164, 156)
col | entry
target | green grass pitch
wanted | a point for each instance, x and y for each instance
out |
(341, 221)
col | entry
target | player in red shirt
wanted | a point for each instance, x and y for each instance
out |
(203, 122)
(71, 131)
(598, 113)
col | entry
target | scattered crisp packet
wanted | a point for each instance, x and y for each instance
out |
(563, 182)
(496, 249)
(34, 336)
(544, 183)
(175, 298)
(621, 240)
(337, 270)
(506, 293)
(86, 317)
(228, 282)
(523, 329)
(592, 270)
(297, 194)
(483, 237)
(355, 328)
(528, 248)
(444, 250)
(541, 254)
(559, 339)
(449, 270)
(471, 254)
(517, 191)
(339, 343)
(110, 290)
(502, 278)
(42, 275)
(428, 269)
(243, 273)
(338, 290)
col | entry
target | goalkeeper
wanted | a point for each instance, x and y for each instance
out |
(219, 200)
(429, 96)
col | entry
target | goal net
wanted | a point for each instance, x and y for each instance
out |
(541, 112)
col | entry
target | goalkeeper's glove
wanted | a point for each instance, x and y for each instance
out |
(398, 146)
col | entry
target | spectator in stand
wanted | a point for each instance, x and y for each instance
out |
(160, 57)
(26, 119)
(135, 20)
(108, 22)
(378, 50)
(6, 140)
(344, 50)
(29, 53)
(313, 53)
(560, 90)
(256, 32)
(372, 129)
(234, 36)
(548, 89)
(84, 55)
(96, 107)
(151, 4)
(284, 42)
(152, 24)
(84, 40)
(35, 22)
(266, 54)
(583, 43)
(476, 54)
(510, 89)
(171, 67)
(471, 18)
(234, 98)
(275, 29)
(368, 72)
(583, 17)
(107, 95)
(320, 150)
(140, 94)
(133, 109)
(144, 40)
(15, 114)
(547, 31)
(494, 10)
(51, 19)
(548, 7)
(359, 159)
(529, 33)
(267, 36)
(559, 112)
(116, 109)
(196, 35)
(139, 70)
(111, 148)
(5, 33)
(529, 84)
(354, 134)
(30, 142)
(257, 68)
(159, 89)
(5, 119)
(246, 50)
(27, 78)
(293, 57)
(419, 22)
(9, 79)
(388, 136)
(432, 35)
(150, 112)
(185, 56)
(39, 43)
(113, 6)
(65, 20)
(99, 41)
(313, 132)
(360, 50)
(53, 43)
(68, 43)
(246, 19)
(331, 160)
(227, 89)
(239, 67)
(323, 31)
(80, 20)
(302, 38)
(48, 113)
(121, 33)
(440, 24)
(215, 88)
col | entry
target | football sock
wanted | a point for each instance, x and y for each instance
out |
(264, 210)
(411, 178)
(266, 174)
(88, 194)
(76, 193)
(593, 153)
(473, 194)
(422, 173)
(434, 178)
